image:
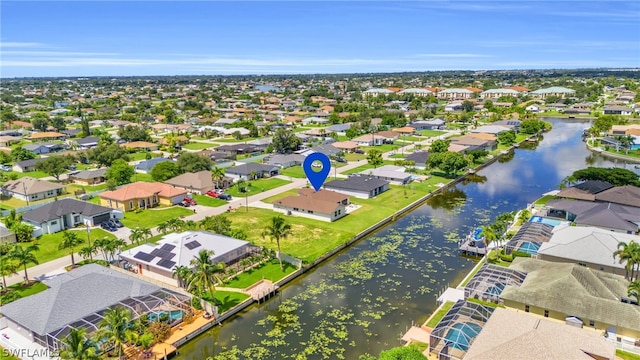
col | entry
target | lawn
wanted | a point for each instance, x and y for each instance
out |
(294, 172)
(150, 218)
(312, 238)
(627, 355)
(431, 133)
(226, 299)
(282, 195)
(268, 271)
(198, 145)
(258, 186)
(442, 311)
(72, 188)
(234, 140)
(208, 200)
(142, 155)
(49, 243)
(543, 200)
(142, 177)
(33, 174)
(354, 156)
(384, 147)
(6, 355)
(33, 288)
(365, 167)
(409, 139)
(12, 202)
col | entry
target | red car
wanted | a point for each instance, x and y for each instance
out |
(212, 193)
(190, 201)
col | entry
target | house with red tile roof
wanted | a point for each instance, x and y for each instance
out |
(322, 205)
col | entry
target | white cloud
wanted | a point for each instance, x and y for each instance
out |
(13, 44)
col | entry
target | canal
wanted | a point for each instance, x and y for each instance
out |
(364, 299)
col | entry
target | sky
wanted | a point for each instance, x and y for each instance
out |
(128, 38)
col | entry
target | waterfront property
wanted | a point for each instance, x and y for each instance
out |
(79, 298)
(487, 284)
(529, 237)
(363, 187)
(31, 189)
(322, 205)
(584, 191)
(614, 217)
(67, 213)
(143, 195)
(586, 246)
(562, 290)
(455, 333)
(508, 333)
(178, 249)
(392, 173)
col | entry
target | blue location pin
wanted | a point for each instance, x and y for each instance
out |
(317, 178)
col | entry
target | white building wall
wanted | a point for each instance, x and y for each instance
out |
(358, 194)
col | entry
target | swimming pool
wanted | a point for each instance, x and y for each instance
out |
(529, 247)
(496, 289)
(461, 334)
(174, 315)
(544, 220)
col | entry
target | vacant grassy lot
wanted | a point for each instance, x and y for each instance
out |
(206, 200)
(366, 167)
(354, 156)
(49, 243)
(294, 172)
(431, 133)
(258, 186)
(151, 218)
(268, 271)
(194, 145)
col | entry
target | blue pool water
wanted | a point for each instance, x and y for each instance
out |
(544, 220)
(530, 248)
(461, 334)
(174, 315)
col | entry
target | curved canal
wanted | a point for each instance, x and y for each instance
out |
(364, 298)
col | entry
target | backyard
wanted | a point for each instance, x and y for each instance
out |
(49, 243)
(258, 186)
(226, 299)
(150, 218)
(267, 271)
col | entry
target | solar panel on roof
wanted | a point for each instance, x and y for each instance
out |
(144, 256)
(162, 253)
(167, 247)
(166, 263)
(192, 245)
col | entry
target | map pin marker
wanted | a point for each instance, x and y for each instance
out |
(317, 178)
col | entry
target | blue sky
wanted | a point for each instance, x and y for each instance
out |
(113, 38)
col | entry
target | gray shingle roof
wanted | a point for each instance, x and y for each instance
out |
(72, 296)
(357, 183)
(56, 209)
(419, 157)
(90, 174)
(246, 169)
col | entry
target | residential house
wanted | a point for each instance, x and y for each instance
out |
(374, 92)
(198, 183)
(142, 195)
(37, 148)
(48, 135)
(146, 166)
(31, 189)
(363, 187)
(259, 171)
(237, 149)
(456, 106)
(6, 236)
(327, 149)
(432, 124)
(389, 135)
(322, 205)
(339, 129)
(141, 146)
(88, 142)
(225, 121)
(475, 143)
(511, 123)
(558, 91)
(455, 94)
(617, 110)
(624, 195)
(417, 92)
(562, 290)
(217, 156)
(7, 140)
(406, 130)
(534, 108)
(586, 190)
(89, 177)
(285, 160)
(315, 120)
(497, 93)
(613, 217)
(369, 140)
(347, 146)
(26, 165)
(492, 129)
(419, 158)
(394, 174)
(67, 213)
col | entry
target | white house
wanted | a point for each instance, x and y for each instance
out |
(31, 189)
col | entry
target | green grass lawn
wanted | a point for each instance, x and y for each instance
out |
(282, 195)
(198, 145)
(12, 202)
(234, 140)
(383, 148)
(408, 139)
(627, 355)
(257, 186)
(354, 156)
(142, 155)
(226, 299)
(142, 177)
(33, 174)
(365, 167)
(442, 311)
(312, 238)
(33, 288)
(269, 271)
(294, 172)
(206, 200)
(431, 133)
(543, 200)
(4, 355)
(150, 218)
(49, 243)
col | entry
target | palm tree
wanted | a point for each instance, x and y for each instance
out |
(488, 235)
(135, 236)
(217, 174)
(76, 346)
(88, 252)
(100, 245)
(182, 274)
(7, 267)
(634, 289)
(205, 273)
(628, 254)
(524, 216)
(163, 227)
(277, 230)
(114, 326)
(145, 233)
(175, 224)
(25, 256)
(70, 240)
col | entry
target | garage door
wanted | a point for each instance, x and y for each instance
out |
(99, 219)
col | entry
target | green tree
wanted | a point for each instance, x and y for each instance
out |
(439, 146)
(70, 241)
(634, 289)
(285, 141)
(114, 327)
(84, 124)
(134, 133)
(467, 106)
(192, 162)
(449, 162)
(182, 274)
(76, 346)
(24, 256)
(58, 123)
(20, 154)
(488, 235)
(164, 171)
(119, 173)
(7, 267)
(629, 254)
(614, 176)
(218, 224)
(531, 126)
(507, 137)
(106, 154)
(351, 132)
(23, 231)
(55, 165)
(277, 230)
(374, 157)
(40, 123)
(402, 353)
(205, 274)
(217, 175)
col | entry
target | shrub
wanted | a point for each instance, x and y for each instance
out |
(520, 254)
(160, 331)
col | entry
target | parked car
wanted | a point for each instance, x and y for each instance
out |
(187, 201)
(5, 168)
(212, 193)
(340, 160)
(225, 197)
(108, 226)
(116, 223)
(358, 151)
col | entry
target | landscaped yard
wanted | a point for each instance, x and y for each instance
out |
(206, 200)
(366, 167)
(294, 172)
(435, 319)
(226, 299)
(142, 177)
(194, 145)
(49, 243)
(258, 186)
(234, 140)
(383, 148)
(150, 218)
(33, 288)
(543, 200)
(431, 133)
(354, 156)
(268, 271)
(142, 155)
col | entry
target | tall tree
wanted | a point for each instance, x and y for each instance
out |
(277, 230)
(217, 174)
(164, 171)
(55, 165)
(192, 162)
(285, 141)
(105, 154)
(70, 241)
(7, 267)
(134, 133)
(119, 173)
(627, 253)
(205, 274)
(182, 274)
(439, 146)
(19, 154)
(634, 289)
(374, 157)
(114, 326)
(77, 346)
(24, 256)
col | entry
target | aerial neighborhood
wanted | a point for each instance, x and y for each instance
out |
(173, 203)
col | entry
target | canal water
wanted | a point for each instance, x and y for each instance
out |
(363, 299)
